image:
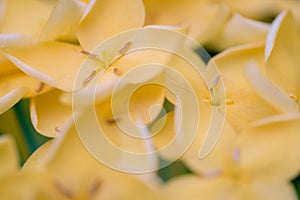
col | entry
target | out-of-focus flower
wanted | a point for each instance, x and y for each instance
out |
(23, 31)
(15, 184)
(78, 175)
(255, 97)
(213, 25)
(93, 29)
(257, 163)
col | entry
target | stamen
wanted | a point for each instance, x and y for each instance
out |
(116, 71)
(90, 55)
(57, 129)
(213, 174)
(90, 77)
(236, 155)
(40, 87)
(112, 121)
(95, 188)
(216, 81)
(62, 189)
(125, 48)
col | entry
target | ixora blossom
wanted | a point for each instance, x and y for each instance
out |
(214, 25)
(55, 61)
(257, 164)
(78, 175)
(23, 31)
(47, 174)
(15, 184)
(260, 69)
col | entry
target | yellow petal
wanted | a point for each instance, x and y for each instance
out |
(109, 17)
(30, 185)
(53, 63)
(17, 85)
(268, 91)
(8, 156)
(63, 22)
(48, 115)
(243, 103)
(31, 18)
(240, 30)
(220, 160)
(269, 150)
(265, 191)
(193, 188)
(74, 177)
(202, 21)
(10, 98)
(252, 9)
(282, 50)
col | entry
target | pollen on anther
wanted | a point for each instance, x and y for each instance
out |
(90, 77)
(125, 48)
(57, 129)
(91, 55)
(40, 87)
(112, 121)
(94, 188)
(62, 189)
(116, 71)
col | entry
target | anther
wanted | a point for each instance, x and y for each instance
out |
(90, 77)
(125, 48)
(62, 189)
(94, 188)
(57, 129)
(116, 71)
(90, 55)
(40, 87)
(112, 121)
(236, 155)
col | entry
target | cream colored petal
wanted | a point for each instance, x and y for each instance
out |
(202, 21)
(194, 188)
(268, 91)
(17, 85)
(30, 186)
(243, 103)
(240, 30)
(10, 98)
(64, 21)
(220, 160)
(269, 150)
(265, 191)
(30, 18)
(282, 54)
(53, 63)
(48, 115)
(80, 175)
(8, 156)
(253, 9)
(109, 17)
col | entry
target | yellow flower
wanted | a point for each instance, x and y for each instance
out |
(260, 71)
(15, 184)
(257, 163)
(33, 20)
(212, 25)
(78, 175)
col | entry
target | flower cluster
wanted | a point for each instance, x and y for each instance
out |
(50, 54)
